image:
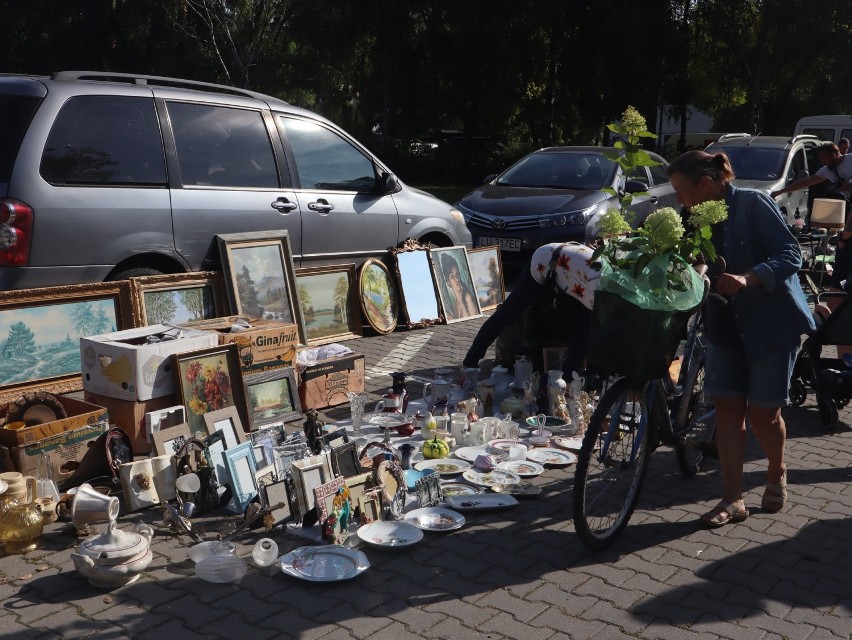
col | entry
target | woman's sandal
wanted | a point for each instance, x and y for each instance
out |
(722, 514)
(775, 495)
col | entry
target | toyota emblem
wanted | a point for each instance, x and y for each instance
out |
(499, 223)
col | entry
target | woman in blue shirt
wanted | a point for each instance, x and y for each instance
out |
(754, 339)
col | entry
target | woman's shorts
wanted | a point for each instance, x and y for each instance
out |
(764, 382)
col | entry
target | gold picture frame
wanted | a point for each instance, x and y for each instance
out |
(378, 296)
(178, 298)
(40, 330)
(327, 297)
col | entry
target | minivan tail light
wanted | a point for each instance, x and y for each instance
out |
(16, 225)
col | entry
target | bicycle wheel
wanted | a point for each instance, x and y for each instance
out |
(695, 422)
(611, 466)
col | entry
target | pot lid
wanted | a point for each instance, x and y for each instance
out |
(114, 544)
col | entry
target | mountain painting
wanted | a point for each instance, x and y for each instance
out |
(261, 283)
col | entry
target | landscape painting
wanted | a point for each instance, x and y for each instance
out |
(40, 331)
(487, 272)
(326, 296)
(177, 298)
(378, 296)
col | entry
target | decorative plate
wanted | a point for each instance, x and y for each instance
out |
(523, 489)
(482, 502)
(503, 443)
(470, 453)
(390, 534)
(553, 457)
(444, 466)
(523, 468)
(324, 564)
(572, 443)
(490, 478)
(387, 420)
(435, 519)
(460, 489)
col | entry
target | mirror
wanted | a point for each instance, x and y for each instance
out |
(635, 186)
(388, 182)
(418, 300)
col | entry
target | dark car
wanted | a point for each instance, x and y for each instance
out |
(555, 195)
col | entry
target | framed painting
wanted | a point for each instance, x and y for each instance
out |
(227, 421)
(167, 442)
(278, 501)
(308, 474)
(370, 507)
(273, 397)
(40, 331)
(455, 284)
(486, 268)
(418, 300)
(377, 293)
(327, 297)
(260, 277)
(209, 380)
(178, 298)
(242, 468)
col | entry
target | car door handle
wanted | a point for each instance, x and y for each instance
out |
(653, 200)
(322, 205)
(283, 205)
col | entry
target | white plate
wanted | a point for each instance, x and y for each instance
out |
(454, 488)
(503, 443)
(553, 457)
(444, 466)
(523, 468)
(471, 453)
(482, 502)
(324, 564)
(390, 534)
(389, 420)
(435, 519)
(490, 478)
(572, 443)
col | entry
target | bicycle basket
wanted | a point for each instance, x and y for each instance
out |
(633, 342)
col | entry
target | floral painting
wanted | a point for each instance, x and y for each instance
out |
(207, 384)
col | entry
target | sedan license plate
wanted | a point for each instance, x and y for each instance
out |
(505, 244)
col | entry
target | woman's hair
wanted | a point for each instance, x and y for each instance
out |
(448, 263)
(694, 165)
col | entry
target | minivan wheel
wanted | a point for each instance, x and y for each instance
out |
(133, 273)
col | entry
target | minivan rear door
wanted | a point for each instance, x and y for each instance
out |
(344, 214)
(229, 179)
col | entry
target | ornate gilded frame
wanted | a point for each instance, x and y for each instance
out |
(405, 259)
(176, 283)
(380, 313)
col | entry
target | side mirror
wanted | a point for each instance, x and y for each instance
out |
(388, 182)
(489, 178)
(802, 173)
(635, 186)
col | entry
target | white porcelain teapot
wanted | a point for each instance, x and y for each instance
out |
(114, 558)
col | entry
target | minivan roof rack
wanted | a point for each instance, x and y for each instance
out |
(803, 136)
(731, 136)
(133, 78)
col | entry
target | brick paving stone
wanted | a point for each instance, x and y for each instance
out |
(396, 631)
(519, 608)
(70, 624)
(469, 613)
(836, 623)
(618, 596)
(732, 629)
(507, 625)
(358, 625)
(575, 627)
(787, 629)
(453, 629)
(622, 619)
(236, 626)
(415, 619)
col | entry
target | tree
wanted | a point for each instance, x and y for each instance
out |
(160, 307)
(21, 339)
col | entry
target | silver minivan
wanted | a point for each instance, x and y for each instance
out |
(104, 176)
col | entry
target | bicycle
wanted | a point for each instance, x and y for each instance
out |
(631, 419)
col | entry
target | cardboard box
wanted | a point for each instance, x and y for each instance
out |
(268, 344)
(325, 383)
(122, 364)
(76, 455)
(130, 415)
(80, 414)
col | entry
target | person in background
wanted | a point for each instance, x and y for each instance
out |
(754, 338)
(843, 146)
(554, 268)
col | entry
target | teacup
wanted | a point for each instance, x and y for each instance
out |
(47, 506)
(19, 486)
(92, 506)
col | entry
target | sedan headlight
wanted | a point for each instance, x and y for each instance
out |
(562, 219)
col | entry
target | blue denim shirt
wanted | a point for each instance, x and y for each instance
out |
(776, 313)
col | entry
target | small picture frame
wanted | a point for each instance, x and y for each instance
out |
(309, 473)
(344, 460)
(324, 495)
(215, 443)
(167, 442)
(242, 468)
(272, 397)
(370, 506)
(358, 486)
(163, 419)
(228, 421)
(263, 445)
(334, 437)
(278, 499)
(428, 490)
(486, 268)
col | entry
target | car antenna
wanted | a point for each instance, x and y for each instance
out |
(748, 144)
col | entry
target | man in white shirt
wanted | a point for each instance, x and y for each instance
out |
(837, 169)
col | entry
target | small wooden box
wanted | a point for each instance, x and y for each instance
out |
(325, 383)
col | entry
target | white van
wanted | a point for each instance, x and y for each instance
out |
(826, 127)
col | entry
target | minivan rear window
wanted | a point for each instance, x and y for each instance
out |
(105, 140)
(15, 114)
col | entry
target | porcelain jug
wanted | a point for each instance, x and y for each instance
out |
(400, 389)
(390, 403)
(459, 427)
(485, 391)
(437, 391)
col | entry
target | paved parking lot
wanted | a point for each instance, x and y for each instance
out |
(518, 573)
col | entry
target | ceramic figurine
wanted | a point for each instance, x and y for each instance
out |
(530, 403)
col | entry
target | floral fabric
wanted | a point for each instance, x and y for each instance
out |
(574, 274)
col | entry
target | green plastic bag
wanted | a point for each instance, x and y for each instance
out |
(667, 283)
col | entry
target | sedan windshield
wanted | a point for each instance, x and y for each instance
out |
(591, 171)
(753, 163)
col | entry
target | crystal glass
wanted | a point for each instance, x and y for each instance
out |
(357, 402)
(265, 552)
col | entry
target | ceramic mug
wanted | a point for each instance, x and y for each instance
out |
(91, 506)
(47, 506)
(508, 429)
(486, 429)
(19, 486)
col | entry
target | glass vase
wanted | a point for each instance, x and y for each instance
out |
(357, 402)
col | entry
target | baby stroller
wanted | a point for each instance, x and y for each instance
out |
(830, 378)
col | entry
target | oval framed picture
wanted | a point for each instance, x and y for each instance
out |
(379, 300)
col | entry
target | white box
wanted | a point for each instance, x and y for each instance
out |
(123, 365)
